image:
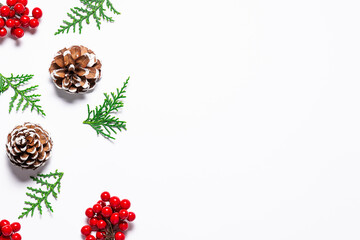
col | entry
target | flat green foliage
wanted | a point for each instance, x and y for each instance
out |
(101, 119)
(41, 194)
(24, 97)
(95, 9)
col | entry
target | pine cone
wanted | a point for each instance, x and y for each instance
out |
(29, 146)
(75, 69)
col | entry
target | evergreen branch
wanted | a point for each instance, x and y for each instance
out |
(101, 120)
(41, 195)
(23, 96)
(91, 8)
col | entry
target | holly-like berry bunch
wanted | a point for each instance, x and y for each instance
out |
(15, 16)
(9, 231)
(109, 218)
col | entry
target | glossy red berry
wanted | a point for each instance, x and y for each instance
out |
(17, 22)
(4, 222)
(10, 23)
(90, 237)
(16, 236)
(23, 2)
(123, 214)
(93, 221)
(24, 21)
(106, 211)
(2, 23)
(100, 235)
(11, 2)
(86, 230)
(101, 224)
(3, 32)
(26, 11)
(34, 23)
(131, 217)
(117, 208)
(4, 11)
(12, 13)
(89, 212)
(105, 196)
(119, 236)
(37, 13)
(6, 230)
(125, 204)
(15, 226)
(102, 203)
(97, 208)
(18, 32)
(115, 218)
(114, 201)
(123, 226)
(19, 8)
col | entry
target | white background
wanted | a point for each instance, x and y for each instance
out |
(243, 120)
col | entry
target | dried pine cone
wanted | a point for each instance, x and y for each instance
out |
(29, 146)
(75, 69)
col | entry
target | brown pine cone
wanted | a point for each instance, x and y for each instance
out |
(29, 146)
(75, 69)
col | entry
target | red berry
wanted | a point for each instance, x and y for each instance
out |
(106, 211)
(115, 218)
(90, 237)
(37, 13)
(15, 226)
(101, 224)
(123, 214)
(34, 23)
(125, 204)
(6, 230)
(100, 235)
(10, 23)
(102, 203)
(16, 236)
(11, 2)
(4, 11)
(105, 196)
(114, 201)
(19, 8)
(117, 208)
(131, 217)
(2, 23)
(4, 223)
(24, 21)
(119, 236)
(89, 212)
(12, 13)
(123, 226)
(86, 230)
(93, 221)
(19, 32)
(97, 208)
(26, 11)
(3, 33)
(23, 2)
(17, 22)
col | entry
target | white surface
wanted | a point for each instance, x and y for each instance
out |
(243, 120)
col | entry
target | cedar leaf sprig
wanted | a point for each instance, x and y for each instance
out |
(92, 8)
(40, 195)
(101, 119)
(24, 97)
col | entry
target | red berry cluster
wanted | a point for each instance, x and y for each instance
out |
(9, 231)
(16, 15)
(108, 217)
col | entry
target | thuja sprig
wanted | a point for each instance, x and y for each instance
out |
(101, 119)
(24, 97)
(41, 194)
(92, 9)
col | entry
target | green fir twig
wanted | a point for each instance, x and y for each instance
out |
(101, 119)
(40, 195)
(24, 97)
(92, 9)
